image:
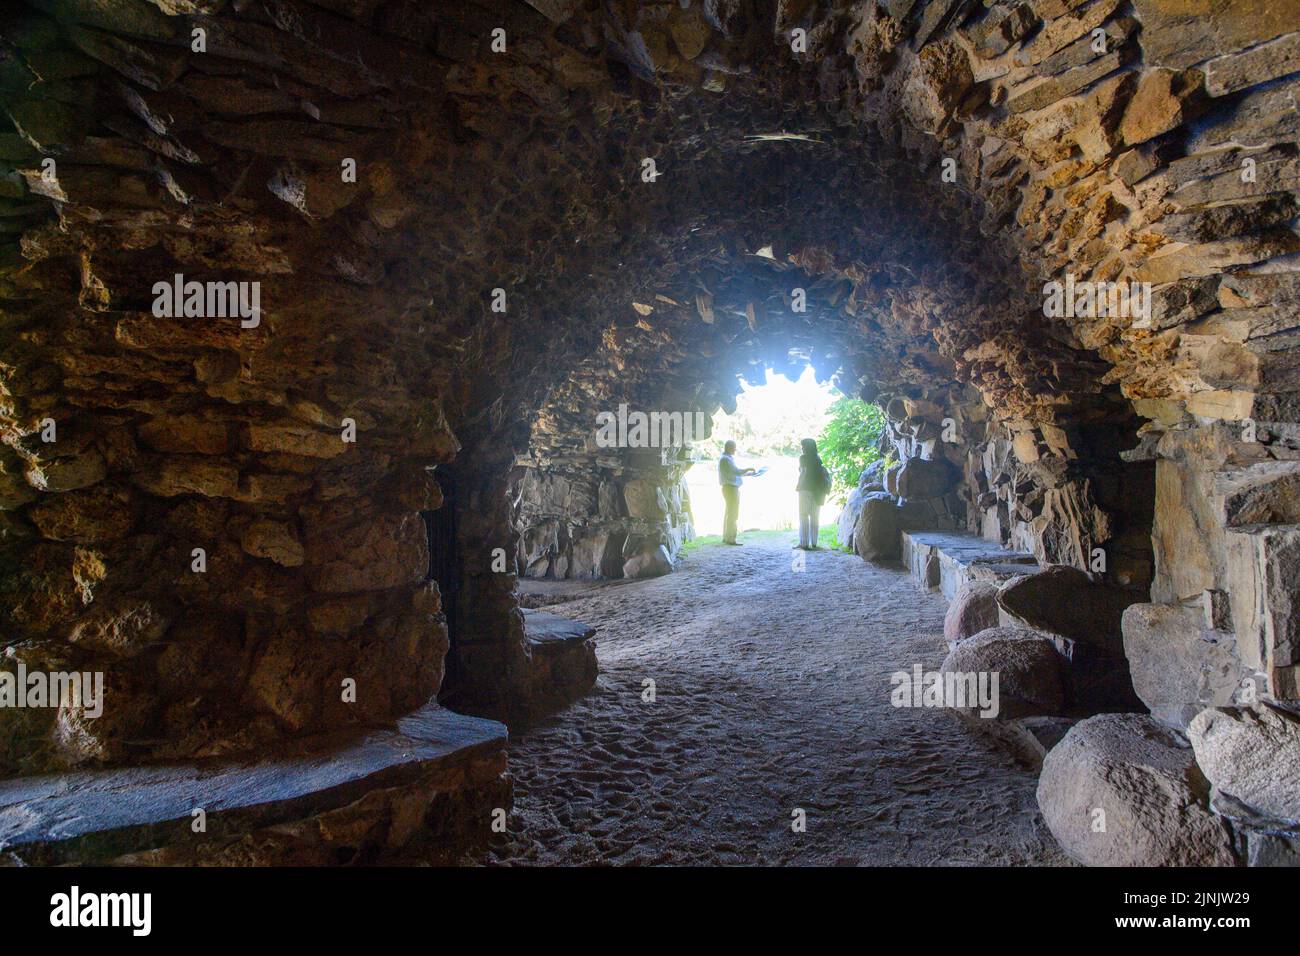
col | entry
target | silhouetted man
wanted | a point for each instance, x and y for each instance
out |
(729, 478)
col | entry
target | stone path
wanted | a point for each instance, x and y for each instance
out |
(771, 693)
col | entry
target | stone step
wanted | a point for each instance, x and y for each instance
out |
(368, 778)
(552, 632)
(948, 559)
(562, 658)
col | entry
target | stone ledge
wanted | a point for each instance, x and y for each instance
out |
(97, 815)
(948, 559)
(562, 662)
(550, 664)
(546, 630)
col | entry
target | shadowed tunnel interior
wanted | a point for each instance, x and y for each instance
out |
(472, 227)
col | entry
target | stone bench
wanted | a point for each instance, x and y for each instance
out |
(551, 631)
(326, 799)
(948, 559)
(563, 660)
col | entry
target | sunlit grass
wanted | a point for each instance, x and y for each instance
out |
(826, 538)
(715, 540)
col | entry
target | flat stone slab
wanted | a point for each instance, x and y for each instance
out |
(960, 557)
(98, 814)
(545, 628)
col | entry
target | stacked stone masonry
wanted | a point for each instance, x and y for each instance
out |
(460, 259)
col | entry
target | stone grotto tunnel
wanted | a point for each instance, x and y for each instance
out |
(458, 231)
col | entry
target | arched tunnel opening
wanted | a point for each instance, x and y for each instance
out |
(315, 317)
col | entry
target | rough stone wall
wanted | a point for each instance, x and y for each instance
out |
(601, 522)
(1161, 149)
(1066, 496)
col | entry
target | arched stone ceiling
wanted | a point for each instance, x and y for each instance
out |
(208, 138)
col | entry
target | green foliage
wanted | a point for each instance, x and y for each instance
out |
(848, 443)
(827, 538)
(771, 420)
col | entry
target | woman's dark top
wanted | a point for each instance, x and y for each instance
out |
(810, 473)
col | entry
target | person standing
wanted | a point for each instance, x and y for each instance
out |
(729, 477)
(813, 487)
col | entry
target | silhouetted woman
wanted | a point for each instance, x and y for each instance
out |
(814, 485)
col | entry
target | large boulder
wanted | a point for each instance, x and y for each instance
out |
(974, 609)
(1086, 618)
(876, 536)
(645, 500)
(652, 562)
(872, 477)
(1178, 666)
(891, 478)
(847, 522)
(1253, 756)
(1065, 601)
(924, 478)
(1124, 790)
(1029, 669)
